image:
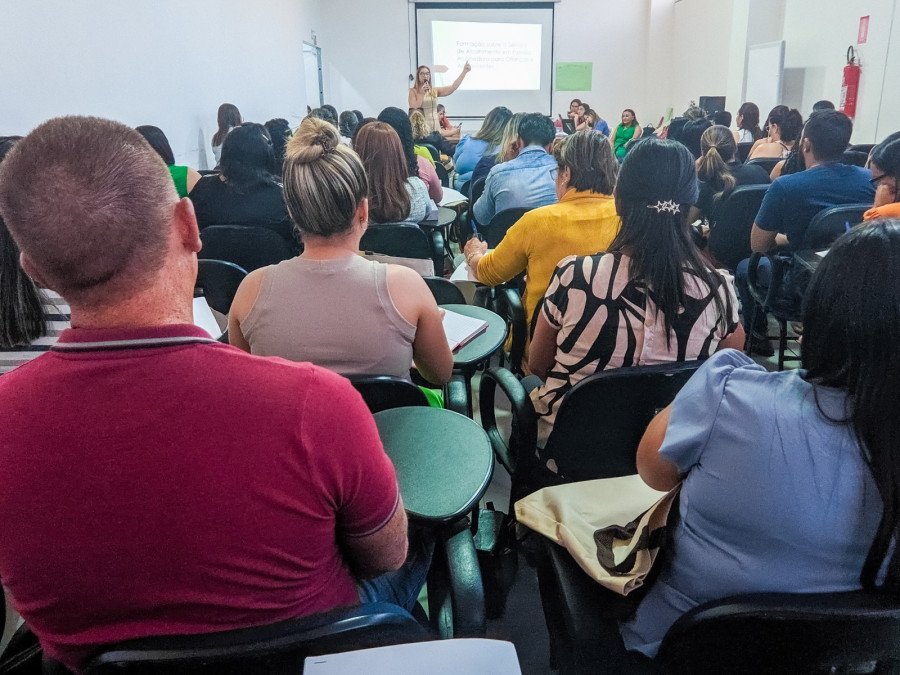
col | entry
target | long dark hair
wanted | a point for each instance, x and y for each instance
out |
(21, 303)
(158, 141)
(378, 146)
(228, 117)
(656, 186)
(749, 114)
(279, 131)
(399, 120)
(851, 333)
(248, 157)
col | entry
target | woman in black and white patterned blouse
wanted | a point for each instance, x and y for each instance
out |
(651, 298)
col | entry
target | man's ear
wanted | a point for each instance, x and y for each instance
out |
(186, 223)
(29, 268)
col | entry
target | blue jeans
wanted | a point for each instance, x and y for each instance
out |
(749, 307)
(401, 587)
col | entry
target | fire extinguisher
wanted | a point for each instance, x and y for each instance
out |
(850, 86)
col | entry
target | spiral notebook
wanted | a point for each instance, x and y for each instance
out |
(461, 329)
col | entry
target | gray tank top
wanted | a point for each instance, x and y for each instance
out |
(334, 313)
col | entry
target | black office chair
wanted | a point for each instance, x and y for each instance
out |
(783, 296)
(855, 157)
(465, 189)
(598, 425)
(276, 648)
(404, 240)
(494, 231)
(445, 292)
(730, 223)
(383, 392)
(476, 190)
(247, 247)
(767, 163)
(218, 280)
(863, 147)
(442, 174)
(743, 151)
(854, 632)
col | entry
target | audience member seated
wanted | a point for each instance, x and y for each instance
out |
(824, 104)
(507, 150)
(325, 115)
(598, 313)
(228, 117)
(247, 191)
(184, 177)
(393, 197)
(31, 318)
(154, 481)
(486, 141)
(573, 109)
(582, 223)
(416, 165)
(691, 133)
(330, 306)
(332, 112)
(580, 114)
(783, 129)
(421, 136)
(626, 130)
(528, 180)
(279, 131)
(595, 122)
(793, 201)
(885, 164)
(347, 124)
(776, 492)
(720, 172)
(449, 132)
(747, 122)
(722, 118)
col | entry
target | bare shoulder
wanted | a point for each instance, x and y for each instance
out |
(404, 278)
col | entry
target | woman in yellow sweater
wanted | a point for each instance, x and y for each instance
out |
(583, 222)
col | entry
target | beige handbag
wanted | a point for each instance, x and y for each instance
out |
(613, 527)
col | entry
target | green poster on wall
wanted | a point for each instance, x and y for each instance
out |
(574, 75)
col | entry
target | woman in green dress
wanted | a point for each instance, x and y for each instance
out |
(627, 130)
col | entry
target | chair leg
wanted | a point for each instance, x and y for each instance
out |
(782, 342)
(748, 339)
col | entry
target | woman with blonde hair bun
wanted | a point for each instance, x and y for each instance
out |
(329, 305)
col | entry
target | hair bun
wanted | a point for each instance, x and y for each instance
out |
(313, 140)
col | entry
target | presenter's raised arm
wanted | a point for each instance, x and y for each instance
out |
(446, 91)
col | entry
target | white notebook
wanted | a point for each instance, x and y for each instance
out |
(203, 318)
(461, 330)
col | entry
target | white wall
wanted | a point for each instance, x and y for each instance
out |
(161, 62)
(368, 48)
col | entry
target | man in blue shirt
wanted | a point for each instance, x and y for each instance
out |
(792, 202)
(529, 180)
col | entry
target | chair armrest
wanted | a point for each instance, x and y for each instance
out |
(437, 250)
(779, 266)
(466, 587)
(456, 395)
(518, 455)
(510, 303)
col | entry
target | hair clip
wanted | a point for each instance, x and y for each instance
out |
(666, 206)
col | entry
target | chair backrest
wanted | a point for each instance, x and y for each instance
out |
(786, 633)
(829, 224)
(477, 190)
(435, 155)
(602, 418)
(494, 231)
(247, 247)
(855, 157)
(863, 147)
(465, 187)
(767, 163)
(730, 223)
(383, 392)
(276, 648)
(442, 174)
(445, 292)
(219, 281)
(404, 240)
(743, 151)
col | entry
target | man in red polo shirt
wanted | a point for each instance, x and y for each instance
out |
(152, 480)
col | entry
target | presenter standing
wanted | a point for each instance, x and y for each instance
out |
(425, 97)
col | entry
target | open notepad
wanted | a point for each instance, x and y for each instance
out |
(461, 329)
